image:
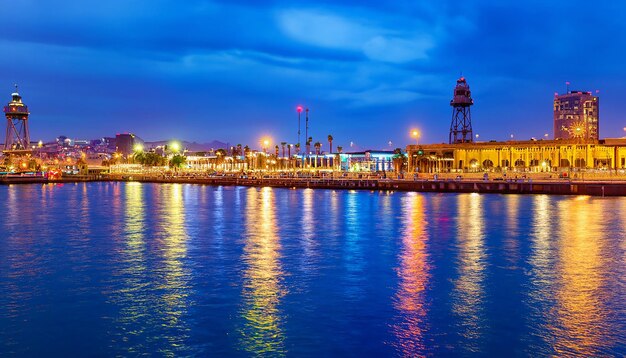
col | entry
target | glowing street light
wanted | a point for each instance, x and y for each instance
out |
(138, 147)
(265, 143)
(175, 146)
(299, 109)
(416, 134)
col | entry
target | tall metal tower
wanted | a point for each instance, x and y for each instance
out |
(17, 138)
(461, 126)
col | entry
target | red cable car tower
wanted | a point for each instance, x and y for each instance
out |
(17, 137)
(461, 127)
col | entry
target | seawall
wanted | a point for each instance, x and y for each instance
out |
(556, 187)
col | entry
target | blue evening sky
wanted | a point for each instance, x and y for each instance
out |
(369, 71)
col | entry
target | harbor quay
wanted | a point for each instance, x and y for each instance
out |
(432, 184)
(532, 183)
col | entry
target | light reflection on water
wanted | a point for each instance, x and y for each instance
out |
(580, 271)
(469, 295)
(129, 268)
(262, 332)
(413, 275)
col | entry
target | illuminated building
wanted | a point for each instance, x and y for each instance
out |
(575, 146)
(125, 143)
(369, 160)
(532, 155)
(576, 116)
(17, 140)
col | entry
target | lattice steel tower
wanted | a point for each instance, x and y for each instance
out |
(461, 127)
(17, 138)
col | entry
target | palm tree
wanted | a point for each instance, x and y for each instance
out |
(276, 148)
(318, 147)
(283, 144)
(246, 152)
(399, 159)
(330, 143)
(238, 149)
(177, 161)
(338, 156)
(221, 154)
(139, 157)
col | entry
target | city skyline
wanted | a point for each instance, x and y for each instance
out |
(369, 73)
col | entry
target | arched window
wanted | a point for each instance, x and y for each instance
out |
(579, 163)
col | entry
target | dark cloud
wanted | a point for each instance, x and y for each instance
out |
(368, 70)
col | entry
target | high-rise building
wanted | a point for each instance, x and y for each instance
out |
(126, 143)
(576, 115)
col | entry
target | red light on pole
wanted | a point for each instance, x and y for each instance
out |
(299, 109)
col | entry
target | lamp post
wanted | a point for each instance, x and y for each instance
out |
(416, 134)
(265, 143)
(306, 134)
(299, 109)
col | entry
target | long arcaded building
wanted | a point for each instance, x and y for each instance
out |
(533, 155)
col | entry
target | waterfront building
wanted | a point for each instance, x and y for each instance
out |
(369, 161)
(519, 156)
(576, 116)
(126, 142)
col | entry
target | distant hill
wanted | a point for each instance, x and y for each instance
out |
(191, 146)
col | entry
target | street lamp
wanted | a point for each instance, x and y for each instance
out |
(265, 144)
(175, 147)
(416, 134)
(299, 109)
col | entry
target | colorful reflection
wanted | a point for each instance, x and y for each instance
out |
(354, 260)
(174, 284)
(307, 236)
(262, 332)
(131, 297)
(512, 234)
(414, 275)
(580, 317)
(541, 275)
(152, 300)
(468, 292)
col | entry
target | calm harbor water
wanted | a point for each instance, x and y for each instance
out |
(110, 269)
